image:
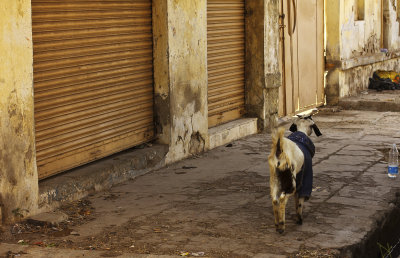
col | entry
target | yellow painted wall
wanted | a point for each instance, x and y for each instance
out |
(332, 21)
(354, 46)
(360, 37)
(18, 178)
(391, 25)
(180, 71)
(180, 75)
(262, 69)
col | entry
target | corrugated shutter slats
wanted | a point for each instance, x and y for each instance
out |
(225, 60)
(93, 79)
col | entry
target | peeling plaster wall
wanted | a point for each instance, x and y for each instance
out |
(272, 66)
(180, 71)
(359, 37)
(355, 80)
(262, 69)
(391, 25)
(161, 71)
(187, 72)
(332, 30)
(18, 178)
(359, 53)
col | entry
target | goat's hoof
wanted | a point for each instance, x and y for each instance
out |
(299, 221)
(280, 231)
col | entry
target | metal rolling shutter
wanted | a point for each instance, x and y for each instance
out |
(225, 60)
(93, 79)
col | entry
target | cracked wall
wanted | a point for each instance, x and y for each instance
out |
(359, 37)
(181, 76)
(391, 34)
(262, 70)
(353, 47)
(18, 178)
(180, 71)
(180, 87)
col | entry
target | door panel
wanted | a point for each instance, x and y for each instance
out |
(302, 60)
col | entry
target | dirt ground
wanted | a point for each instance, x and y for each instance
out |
(158, 234)
(218, 204)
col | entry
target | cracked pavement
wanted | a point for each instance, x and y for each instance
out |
(218, 204)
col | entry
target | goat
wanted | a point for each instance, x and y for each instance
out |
(290, 165)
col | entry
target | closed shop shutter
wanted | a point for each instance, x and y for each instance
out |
(225, 60)
(93, 79)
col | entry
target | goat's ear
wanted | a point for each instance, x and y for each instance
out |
(293, 128)
(278, 148)
(316, 130)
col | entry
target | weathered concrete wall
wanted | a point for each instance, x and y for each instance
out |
(161, 71)
(358, 55)
(18, 178)
(332, 21)
(355, 80)
(359, 37)
(272, 66)
(181, 76)
(262, 70)
(391, 38)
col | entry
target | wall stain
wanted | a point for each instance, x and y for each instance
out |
(197, 143)
(192, 96)
(20, 9)
(15, 114)
(393, 4)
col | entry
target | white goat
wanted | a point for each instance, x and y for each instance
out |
(288, 161)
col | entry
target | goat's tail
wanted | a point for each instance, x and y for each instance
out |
(277, 149)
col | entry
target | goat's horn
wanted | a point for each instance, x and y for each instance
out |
(314, 111)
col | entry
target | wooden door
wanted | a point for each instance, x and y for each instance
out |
(303, 56)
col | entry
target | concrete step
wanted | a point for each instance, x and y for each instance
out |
(372, 100)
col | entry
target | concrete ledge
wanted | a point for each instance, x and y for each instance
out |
(222, 134)
(369, 59)
(382, 101)
(107, 172)
(100, 175)
(370, 105)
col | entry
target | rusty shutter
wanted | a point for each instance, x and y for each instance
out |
(93, 79)
(225, 60)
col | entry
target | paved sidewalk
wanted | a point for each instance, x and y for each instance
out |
(387, 100)
(218, 204)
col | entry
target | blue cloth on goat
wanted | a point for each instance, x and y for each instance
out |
(304, 179)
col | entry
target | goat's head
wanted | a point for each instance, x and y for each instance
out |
(305, 124)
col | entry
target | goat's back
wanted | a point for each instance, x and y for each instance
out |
(284, 153)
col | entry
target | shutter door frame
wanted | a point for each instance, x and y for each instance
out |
(93, 80)
(225, 60)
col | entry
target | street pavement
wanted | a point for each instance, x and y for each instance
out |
(218, 205)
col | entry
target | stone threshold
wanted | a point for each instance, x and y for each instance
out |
(231, 131)
(370, 100)
(100, 175)
(368, 59)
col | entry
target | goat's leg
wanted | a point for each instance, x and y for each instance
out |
(299, 202)
(282, 207)
(275, 205)
(275, 198)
